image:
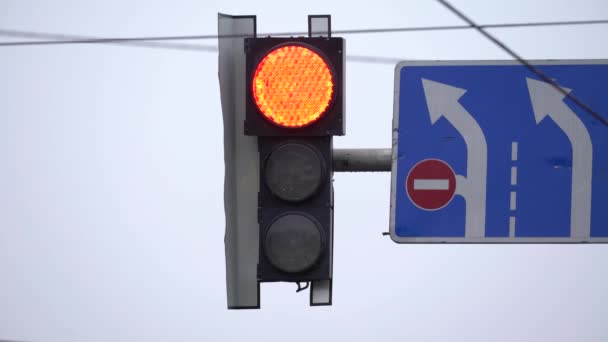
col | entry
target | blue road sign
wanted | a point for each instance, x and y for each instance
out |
(487, 152)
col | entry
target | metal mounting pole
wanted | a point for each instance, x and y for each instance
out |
(362, 160)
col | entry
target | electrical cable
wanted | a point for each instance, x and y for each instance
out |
(521, 60)
(161, 42)
(173, 46)
(59, 39)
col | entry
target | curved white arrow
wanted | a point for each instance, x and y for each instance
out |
(442, 100)
(548, 101)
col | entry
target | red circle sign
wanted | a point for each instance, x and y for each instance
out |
(431, 184)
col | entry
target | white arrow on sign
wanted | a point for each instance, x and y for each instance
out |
(548, 101)
(442, 100)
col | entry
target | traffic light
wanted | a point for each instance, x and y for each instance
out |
(294, 105)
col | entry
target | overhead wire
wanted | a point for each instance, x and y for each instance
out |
(524, 62)
(167, 42)
(163, 42)
(172, 45)
(61, 39)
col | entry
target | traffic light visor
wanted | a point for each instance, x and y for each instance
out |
(293, 86)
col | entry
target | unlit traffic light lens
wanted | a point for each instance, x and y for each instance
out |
(293, 243)
(294, 172)
(293, 86)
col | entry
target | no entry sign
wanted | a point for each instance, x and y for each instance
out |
(431, 184)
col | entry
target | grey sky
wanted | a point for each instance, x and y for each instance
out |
(111, 187)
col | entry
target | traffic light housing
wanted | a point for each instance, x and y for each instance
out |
(272, 63)
(295, 105)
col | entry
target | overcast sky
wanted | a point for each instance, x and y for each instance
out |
(111, 187)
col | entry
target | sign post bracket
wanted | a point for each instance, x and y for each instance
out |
(362, 160)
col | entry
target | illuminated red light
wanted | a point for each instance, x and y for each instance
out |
(293, 86)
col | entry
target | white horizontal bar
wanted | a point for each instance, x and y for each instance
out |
(431, 184)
